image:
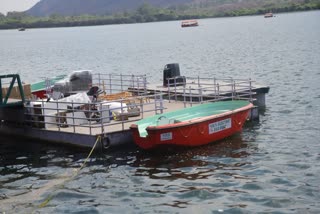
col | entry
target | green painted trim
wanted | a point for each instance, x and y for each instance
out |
(4, 103)
(38, 86)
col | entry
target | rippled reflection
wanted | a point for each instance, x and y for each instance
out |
(271, 167)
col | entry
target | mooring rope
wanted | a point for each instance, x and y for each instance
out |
(51, 196)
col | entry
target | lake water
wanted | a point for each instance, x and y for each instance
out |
(273, 166)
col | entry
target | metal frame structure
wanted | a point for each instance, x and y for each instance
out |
(4, 100)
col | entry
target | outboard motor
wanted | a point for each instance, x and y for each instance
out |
(77, 81)
(80, 80)
(172, 72)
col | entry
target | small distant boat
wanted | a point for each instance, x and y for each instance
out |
(194, 126)
(21, 29)
(268, 15)
(189, 23)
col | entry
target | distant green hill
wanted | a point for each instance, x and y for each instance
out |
(64, 13)
(194, 7)
(95, 7)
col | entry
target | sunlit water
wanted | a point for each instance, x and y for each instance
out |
(273, 166)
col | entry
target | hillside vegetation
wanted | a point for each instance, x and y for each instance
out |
(151, 13)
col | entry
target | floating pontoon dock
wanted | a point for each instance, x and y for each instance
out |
(125, 99)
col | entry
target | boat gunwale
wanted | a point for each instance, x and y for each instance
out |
(194, 121)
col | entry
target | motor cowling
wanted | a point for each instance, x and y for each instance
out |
(171, 75)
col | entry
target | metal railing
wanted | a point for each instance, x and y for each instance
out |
(199, 90)
(113, 83)
(93, 117)
(106, 114)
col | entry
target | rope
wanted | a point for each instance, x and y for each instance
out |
(50, 197)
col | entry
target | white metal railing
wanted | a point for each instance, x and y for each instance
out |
(199, 90)
(113, 83)
(94, 117)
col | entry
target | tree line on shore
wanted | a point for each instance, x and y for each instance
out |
(145, 13)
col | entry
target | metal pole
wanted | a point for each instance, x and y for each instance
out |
(132, 81)
(110, 85)
(43, 113)
(138, 82)
(184, 96)
(99, 79)
(73, 124)
(169, 90)
(161, 103)
(145, 84)
(90, 119)
(175, 89)
(200, 94)
(121, 83)
(215, 88)
(250, 89)
(218, 92)
(122, 123)
(101, 118)
(58, 116)
(1, 91)
(190, 98)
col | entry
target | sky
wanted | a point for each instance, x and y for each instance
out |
(16, 5)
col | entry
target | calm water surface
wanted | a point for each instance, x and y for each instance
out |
(273, 166)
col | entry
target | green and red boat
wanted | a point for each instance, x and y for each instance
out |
(193, 126)
(40, 89)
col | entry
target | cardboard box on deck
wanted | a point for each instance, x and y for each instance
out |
(15, 92)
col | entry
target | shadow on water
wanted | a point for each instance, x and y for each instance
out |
(31, 169)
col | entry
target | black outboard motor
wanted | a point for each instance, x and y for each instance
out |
(171, 73)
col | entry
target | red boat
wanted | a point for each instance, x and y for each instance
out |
(194, 126)
(189, 23)
(40, 89)
(268, 15)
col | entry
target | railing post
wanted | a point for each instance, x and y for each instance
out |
(169, 90)
(175, 89)
(101, 118)
(190, 96)
(90, 119)
(200, 95)
(58, 116)
(121, 83)
(138, 86)
(218, 91)
(73, 124)
(43, 111)
(132, 81)
(155, 103)
(142, 110)
(145, 84)
(99, 79)
(184, 96)
(215, 88)
(250, 90)
(110, 85)
(233, 87)
(1, 101)
(161, 103)
(122, 120)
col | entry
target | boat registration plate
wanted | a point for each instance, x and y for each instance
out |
(219, 126)
(166, 136)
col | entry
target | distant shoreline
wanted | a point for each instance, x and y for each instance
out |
(29, 22)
